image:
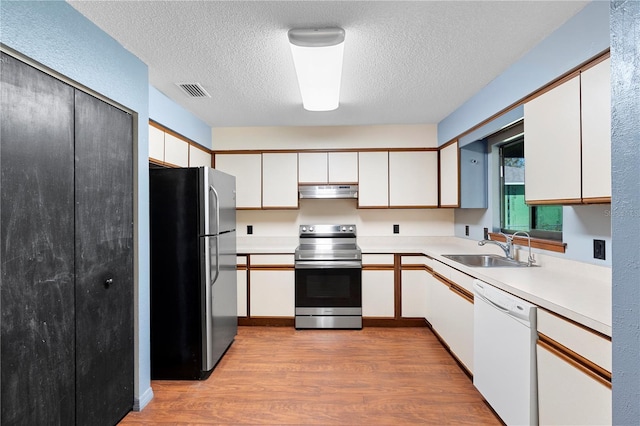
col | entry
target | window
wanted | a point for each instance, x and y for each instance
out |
(515, 214)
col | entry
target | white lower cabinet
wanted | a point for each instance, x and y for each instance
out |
(414, 293)
(378, 294)
(242, 292)
(569, 396)
(451, 316)
(272, 293)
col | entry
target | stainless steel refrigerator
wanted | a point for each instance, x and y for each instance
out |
(193, 270)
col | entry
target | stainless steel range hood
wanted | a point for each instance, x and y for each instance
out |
(328, 191)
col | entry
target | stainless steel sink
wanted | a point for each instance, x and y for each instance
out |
(485, 260)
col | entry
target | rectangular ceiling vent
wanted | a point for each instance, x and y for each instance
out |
(193, 90)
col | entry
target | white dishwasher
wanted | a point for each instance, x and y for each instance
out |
(504, 354)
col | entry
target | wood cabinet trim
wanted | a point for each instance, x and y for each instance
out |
(584, 327)
(597, 200)
(462, 292)
(563, 201)
(583, 364)
(554, 83)
(179, 136)
(539, 243)
(319, 151)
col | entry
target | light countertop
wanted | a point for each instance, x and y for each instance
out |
(576, 290)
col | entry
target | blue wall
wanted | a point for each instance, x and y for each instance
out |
(625, 209)
(57, 36)
(173, 116)
(582, 37)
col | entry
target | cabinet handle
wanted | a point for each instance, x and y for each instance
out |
(108, 282)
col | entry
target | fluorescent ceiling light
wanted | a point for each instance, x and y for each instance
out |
(317, 55)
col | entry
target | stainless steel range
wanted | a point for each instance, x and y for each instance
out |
(328, 283)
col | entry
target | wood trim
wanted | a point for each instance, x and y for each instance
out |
(539, 243)
(563, 201)
(272, 268)
(463, 292)
(577, 324)
(281, 208)
(378, 267)
(597, 200)
(179, 136)
(451, 142)
(433, 206)
(299, 151)
(583, 364)
(460, 291)
(450, 206)
(326, 183)
(393, 322)
(267, 321)
(248, 208)
(415, 268)
(397, 286)
(582, 67)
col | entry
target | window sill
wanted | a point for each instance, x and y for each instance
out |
(539, 243)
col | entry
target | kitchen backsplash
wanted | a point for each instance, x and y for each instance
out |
(370, 222)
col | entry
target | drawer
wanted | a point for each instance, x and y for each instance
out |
(591, 346)
(377, 259)
(463, 280)
(271, 259)
(414, 260)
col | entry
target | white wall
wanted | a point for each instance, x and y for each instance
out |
(369, 222)
(325, 137)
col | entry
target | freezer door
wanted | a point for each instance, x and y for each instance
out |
(220, 208)
(220, 295)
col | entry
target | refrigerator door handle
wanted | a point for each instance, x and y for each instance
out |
(215, 277)
(216, 202)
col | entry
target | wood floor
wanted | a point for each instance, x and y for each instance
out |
(280, 376)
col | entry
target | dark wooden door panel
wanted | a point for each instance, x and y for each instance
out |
(37, 248)
(104, 261)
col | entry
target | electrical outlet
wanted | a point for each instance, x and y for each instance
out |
(598, 249)
(249, 229)
(396, 229)
(466, 230)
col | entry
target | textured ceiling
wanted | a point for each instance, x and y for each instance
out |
(405, 62)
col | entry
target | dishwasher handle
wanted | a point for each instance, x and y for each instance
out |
(492, 303)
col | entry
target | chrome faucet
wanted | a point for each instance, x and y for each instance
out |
(507, 247)
(530, 259)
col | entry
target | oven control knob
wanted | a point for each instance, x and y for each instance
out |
(351, 229)
(311, 229)
(344, 228)
(304, 229)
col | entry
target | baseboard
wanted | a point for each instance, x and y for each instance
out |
(140, 402)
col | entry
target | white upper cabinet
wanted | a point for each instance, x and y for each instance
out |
(373, 171)
(198, 157)
(313, 167)
(552, 145)
(247, 168)
(176, 151)
(280, 180)
(449, 176)
(596, 131)
(413, 179)
(156, 144)
(567, 133)
(343, 167)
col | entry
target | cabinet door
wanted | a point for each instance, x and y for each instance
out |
(414, 294)
(247, 168)
(272, 293)
(280, 180)
(156, 144)
(378, 294)
(312, 167)
(104, 261)
(373, 179)
(176, 151)
(552, 145)
(567, 395)
(343, 167)
(198, 157)
(37, 250)
(449, 176)
(413, 179)
(596, 131)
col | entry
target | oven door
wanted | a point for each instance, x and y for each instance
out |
(328, 285)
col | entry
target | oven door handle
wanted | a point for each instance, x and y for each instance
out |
(327, 264)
